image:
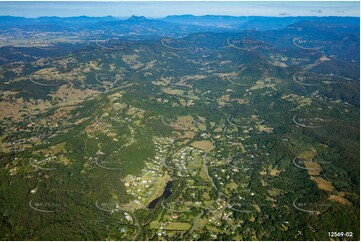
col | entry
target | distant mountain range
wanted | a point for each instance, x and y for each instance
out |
(206, 22)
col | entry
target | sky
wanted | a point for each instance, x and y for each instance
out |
(162, 9)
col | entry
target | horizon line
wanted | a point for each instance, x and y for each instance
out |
(172, 15)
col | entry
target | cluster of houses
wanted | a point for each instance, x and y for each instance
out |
(141, 187)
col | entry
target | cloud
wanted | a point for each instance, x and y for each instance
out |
(283, 14)
(316, 11)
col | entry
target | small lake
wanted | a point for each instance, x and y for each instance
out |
(167, 192)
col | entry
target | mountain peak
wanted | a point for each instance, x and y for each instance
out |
(137, 18)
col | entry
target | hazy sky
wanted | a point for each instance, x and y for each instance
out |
(161, 9)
